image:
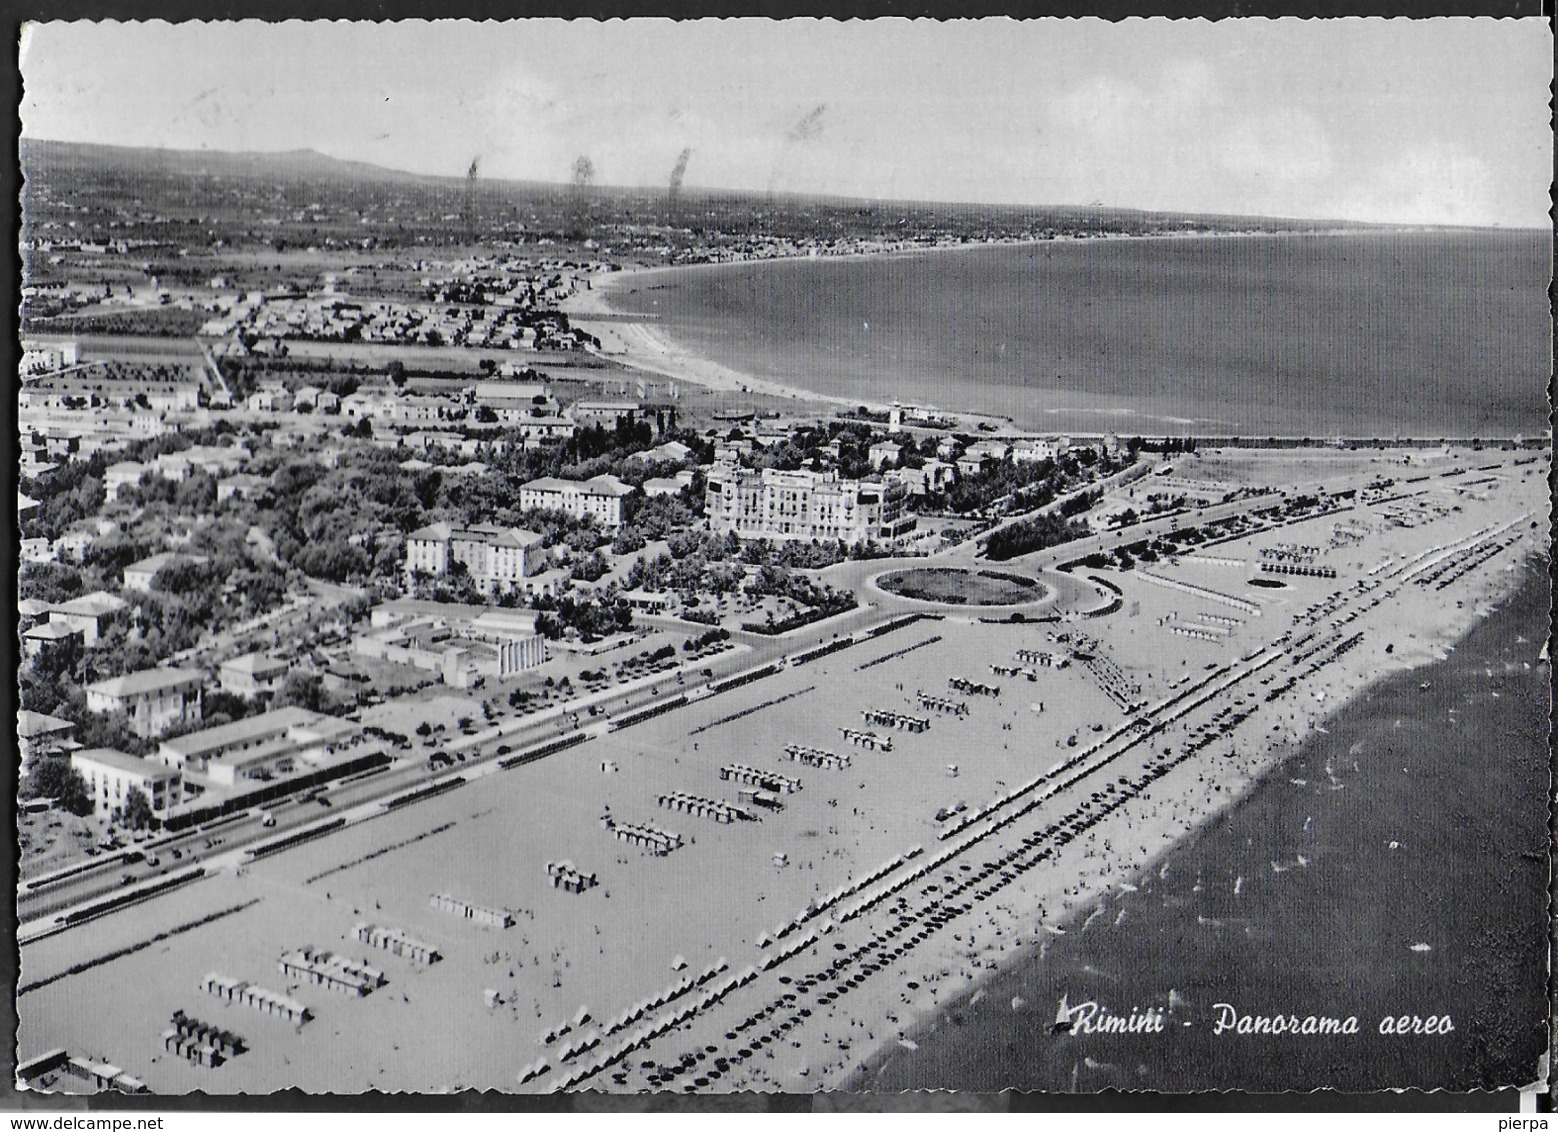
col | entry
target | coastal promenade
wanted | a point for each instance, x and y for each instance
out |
(880, 913)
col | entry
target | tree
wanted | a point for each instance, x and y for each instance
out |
(300, 690)
(56, 779)
(397, 373)
(136, 813)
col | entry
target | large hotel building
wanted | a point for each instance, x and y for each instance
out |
(804, 505)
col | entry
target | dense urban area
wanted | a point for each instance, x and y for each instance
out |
(267, 410)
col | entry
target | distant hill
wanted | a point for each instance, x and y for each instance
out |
(302, 164)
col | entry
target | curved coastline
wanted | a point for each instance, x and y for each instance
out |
(1235, 335)
(630, 337)
(633, 340)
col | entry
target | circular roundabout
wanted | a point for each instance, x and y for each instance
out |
(956, 586)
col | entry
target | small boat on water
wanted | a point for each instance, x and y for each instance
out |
(1062, 1017)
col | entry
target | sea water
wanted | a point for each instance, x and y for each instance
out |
(1378, 333)
(1394, 868)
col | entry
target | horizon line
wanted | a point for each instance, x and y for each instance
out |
(462, 179)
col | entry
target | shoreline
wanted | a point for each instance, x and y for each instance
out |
(639, 346)
(642, 341)
(1027, 970)
(1071, 883)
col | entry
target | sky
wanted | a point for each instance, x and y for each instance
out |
(1435, 121)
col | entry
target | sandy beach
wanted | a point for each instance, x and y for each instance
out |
(640, 344)
(751, 935)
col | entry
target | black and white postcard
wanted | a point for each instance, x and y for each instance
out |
(783, 556)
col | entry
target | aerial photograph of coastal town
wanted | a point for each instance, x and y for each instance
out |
(942, 572)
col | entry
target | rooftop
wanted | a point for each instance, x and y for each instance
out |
(50, 631)
(607, 485)
(31, 724)
(483, 532)
(262, 726)
(93, 604)
(509, 391)
(492, 533)
(506, 621)
(254, 663)
(148, 680)
(118, 760)
(166, 558)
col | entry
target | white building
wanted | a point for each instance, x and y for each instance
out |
(607, 414)
(38, 735)
(270, 745)
(495, 557)
(155, 699)
(804, 505)
(515, 401)
(601, 497)
(45, 357)
(1040, 449)
(142, 575)
(89, 614)
(670, 450)
(669, 485)
(462, 643)
(110, 776)
(252, 674)
(883, 453)
(126, 473)
(242, 485)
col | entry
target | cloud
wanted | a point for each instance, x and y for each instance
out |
(1432, 183)
(1278, 146)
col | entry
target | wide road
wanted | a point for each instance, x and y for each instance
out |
(38, 898)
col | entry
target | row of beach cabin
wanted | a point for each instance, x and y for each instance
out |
(1113, 681)
(396, 942)
(816, 756)
(1041, 659)
(492, 917)
(566, 876)
(42, 1071)
(657, 841)
(333, 972)
(194, 1048)
(1014, 670)
(1197, 632)
(722, 812)
(1302, 571)
(258, 998)
(885, 717)
(192, 1031)
(972, 687)
(942, 704)
(868, 739)
(767, 779)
